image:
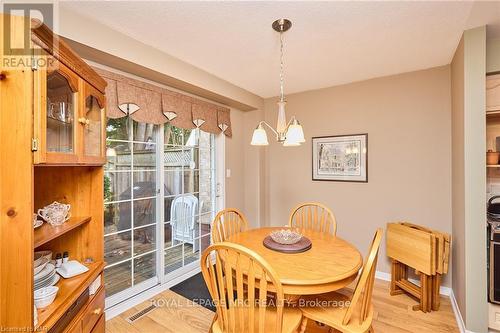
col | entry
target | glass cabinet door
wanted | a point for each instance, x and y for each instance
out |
(93, 125)
(60, 114)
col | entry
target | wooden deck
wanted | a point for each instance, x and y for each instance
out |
(118, 278)
(393, 314)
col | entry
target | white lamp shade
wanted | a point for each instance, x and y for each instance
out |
(287, 143)
(259, 137)
(295, 134)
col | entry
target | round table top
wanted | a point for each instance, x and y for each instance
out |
(330, 264)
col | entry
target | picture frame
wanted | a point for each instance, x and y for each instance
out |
(341, 158)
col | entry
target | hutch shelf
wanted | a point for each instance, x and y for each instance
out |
(46, 232)
(69, 290)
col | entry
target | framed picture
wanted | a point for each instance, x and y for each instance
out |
(342, 158)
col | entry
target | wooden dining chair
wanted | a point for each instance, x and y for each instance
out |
(357, 315)
(228, 222)
(313, 215)
(225, 274)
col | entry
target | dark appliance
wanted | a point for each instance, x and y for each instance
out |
(494, 260)
(494, 208)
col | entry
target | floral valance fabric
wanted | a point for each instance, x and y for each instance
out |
(148, 103)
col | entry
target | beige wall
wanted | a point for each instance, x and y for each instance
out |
(475, 179)
(233, 161)
(468, 70)
(458, 186)
(407, 118)
(254, 180)
(493, 56)
(244, 189)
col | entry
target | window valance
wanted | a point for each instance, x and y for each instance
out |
(148, 103)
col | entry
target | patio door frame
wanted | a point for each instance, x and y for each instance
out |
(127, 298)
(218, 176)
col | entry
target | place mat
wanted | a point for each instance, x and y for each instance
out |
(302, 245)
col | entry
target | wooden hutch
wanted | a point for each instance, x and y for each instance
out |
(52, 148)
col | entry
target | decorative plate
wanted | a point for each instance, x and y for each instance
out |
(41, 265)
(302, 245)
(47, 270)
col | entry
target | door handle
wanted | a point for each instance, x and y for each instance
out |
(83, 121)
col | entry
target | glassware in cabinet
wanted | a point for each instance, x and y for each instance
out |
(56, 93)
(92, 120)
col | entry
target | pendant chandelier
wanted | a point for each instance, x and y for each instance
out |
(289, 133)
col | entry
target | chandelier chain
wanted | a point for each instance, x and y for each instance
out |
(282, 91)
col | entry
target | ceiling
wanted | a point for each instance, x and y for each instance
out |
(330, 43)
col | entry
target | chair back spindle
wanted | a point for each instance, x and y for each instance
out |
(315, 216)
(228, 222)
(225, 273)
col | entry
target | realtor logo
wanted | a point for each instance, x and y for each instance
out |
(41, 12)
(18, 21)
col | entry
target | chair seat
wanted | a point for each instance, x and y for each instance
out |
(291, 321)
(330, 310)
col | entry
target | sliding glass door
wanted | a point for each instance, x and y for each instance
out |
(159, 202)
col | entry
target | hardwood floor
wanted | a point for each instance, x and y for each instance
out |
(173, 314)
(394, 314)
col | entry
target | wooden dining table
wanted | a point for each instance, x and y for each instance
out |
(330, 264)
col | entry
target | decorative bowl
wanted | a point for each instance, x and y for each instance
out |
(286, 236)
(56, 213)
(39, 255)
(45, 296)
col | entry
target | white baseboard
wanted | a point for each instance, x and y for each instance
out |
(445, 291)
(458, 315)
(147, 294)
